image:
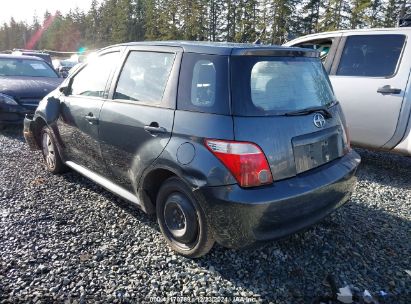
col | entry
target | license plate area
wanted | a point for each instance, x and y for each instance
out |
(316, 149)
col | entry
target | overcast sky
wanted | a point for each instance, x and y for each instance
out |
(24, 10)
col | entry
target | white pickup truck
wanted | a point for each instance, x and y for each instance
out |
(370, 72)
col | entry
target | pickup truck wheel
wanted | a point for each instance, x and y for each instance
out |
(51, 156)
(182, 221)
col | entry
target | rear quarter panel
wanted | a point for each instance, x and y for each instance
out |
(186, 154)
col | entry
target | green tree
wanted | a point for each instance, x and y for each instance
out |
(215, 19)
(392, 11)
(122, 30)
(92, 33)
(281, 11)
(139, 19)
(358, 18)
(311, 16)
(375, 13)
(336, 15)
(193, 20)
(247, 23)
(152, 31)
(230, 19)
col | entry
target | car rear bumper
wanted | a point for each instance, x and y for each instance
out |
(240, 217)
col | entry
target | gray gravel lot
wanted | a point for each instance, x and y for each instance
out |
(63, 238)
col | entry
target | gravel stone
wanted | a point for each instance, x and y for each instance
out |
(64, 239)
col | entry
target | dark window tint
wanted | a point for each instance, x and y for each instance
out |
(26, 68)
(372, 55)
(92, 79)
(276, 85)
(144, 77)
(203, 85)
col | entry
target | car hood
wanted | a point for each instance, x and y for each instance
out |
(28, 87)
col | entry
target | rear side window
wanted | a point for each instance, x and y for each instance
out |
(144, 77)
(203, 85)
(371, 55)
(276, 85)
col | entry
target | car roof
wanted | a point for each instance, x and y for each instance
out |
(222, 48)
(32, 52)
(368, 30)
(9, 56)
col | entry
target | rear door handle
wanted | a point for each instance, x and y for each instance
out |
(388, 90)
(154, 129)
(91, 118)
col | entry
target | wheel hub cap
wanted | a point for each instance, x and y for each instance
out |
(180, 218)
(48, 151)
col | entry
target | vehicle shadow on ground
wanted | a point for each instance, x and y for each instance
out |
(76, 178)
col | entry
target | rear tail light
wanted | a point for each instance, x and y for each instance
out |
(246, 161)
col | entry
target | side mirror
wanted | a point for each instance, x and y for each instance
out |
(65, 90)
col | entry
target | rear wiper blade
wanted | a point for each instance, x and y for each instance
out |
(321, 109)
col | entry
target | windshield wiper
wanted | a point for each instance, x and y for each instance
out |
(322, 109)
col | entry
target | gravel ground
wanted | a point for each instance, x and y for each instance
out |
(63, 238)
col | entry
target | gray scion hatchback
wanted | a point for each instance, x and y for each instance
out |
(227, 143)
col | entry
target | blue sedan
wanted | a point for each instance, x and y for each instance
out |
(24, 81)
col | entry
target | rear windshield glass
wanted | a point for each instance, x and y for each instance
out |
(277, 85)
(26, 68)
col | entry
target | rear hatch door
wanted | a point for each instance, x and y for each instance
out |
(285, 104)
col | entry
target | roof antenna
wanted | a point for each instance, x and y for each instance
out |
(258, 41)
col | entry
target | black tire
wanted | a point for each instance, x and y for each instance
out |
(51, 155)
(182, 220)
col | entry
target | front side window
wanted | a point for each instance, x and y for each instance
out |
(144, 76)
(276, 85)
(25, 68)
(371, 55)
(92, 79)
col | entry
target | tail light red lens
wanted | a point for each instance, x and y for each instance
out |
(246, 162)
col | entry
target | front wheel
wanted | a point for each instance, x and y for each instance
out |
(51, 155)
(182, 221)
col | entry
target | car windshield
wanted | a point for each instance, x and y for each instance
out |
(278, 85)
(25, 68)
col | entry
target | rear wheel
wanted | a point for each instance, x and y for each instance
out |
(51, 155)
(182, 221)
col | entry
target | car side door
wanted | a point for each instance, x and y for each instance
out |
(137, 120)
(369, 76)
(78, 124)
